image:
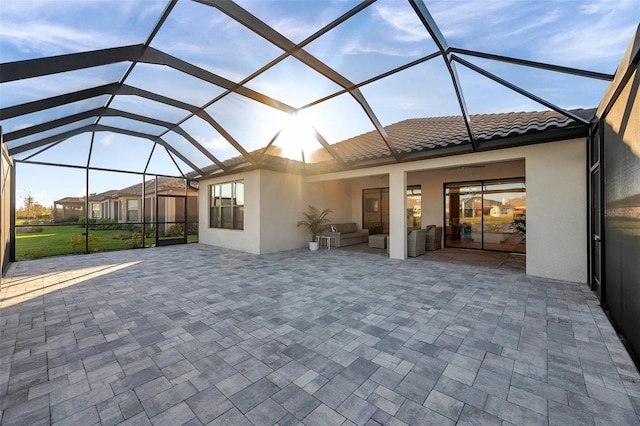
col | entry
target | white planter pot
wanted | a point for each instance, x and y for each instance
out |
(314, 245)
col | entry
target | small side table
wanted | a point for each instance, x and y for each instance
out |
(327, 241)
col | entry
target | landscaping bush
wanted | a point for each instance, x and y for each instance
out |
(69, 220)
(176, 230)
(36, 253)
(150, 232)
(78, 242)
(134, 241)
(29, 230)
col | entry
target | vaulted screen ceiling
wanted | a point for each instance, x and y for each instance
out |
(199, 88)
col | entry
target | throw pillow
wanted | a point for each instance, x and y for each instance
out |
(334, 228)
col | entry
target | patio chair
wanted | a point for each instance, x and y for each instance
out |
(416, 242)
(434, 237)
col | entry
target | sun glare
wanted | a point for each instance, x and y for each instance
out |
(296, 137)
(21, 289)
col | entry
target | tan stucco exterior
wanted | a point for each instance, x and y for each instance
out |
(556, 200)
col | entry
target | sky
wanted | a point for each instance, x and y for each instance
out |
(590, 35)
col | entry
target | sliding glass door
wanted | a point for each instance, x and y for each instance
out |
(486, 215)
(375, 211)
(463, 211)
(504, 208)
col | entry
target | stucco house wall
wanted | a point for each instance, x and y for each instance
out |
(555, 176)
(247, 240)
(274, 203)
(554, 172)
(281, 200)
(557, 211)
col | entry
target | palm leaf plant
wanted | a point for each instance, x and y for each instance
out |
(315, 221)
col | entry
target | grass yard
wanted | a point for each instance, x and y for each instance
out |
(54, 241)
(625, 226)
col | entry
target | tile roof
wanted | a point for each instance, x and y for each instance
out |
(430, 134)
(418, 134)
(70, 200)
(164, 184)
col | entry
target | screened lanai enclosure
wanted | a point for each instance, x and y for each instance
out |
(112, 112)
(121, 93)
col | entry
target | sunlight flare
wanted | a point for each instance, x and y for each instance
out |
(296, 137)
(21, 289)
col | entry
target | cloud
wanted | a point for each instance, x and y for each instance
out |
(37, 28)
(107, 139)
(292, 28)
(587, 34)
(48, 39)
(536, 22)
(213, 143)
(591, 46)
(403, 20)
(602, 7)
(21, 126)
(458, 19)
(592, 41)
(43, 197)
(362, 47)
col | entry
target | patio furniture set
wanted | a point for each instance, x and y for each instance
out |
(419, 240)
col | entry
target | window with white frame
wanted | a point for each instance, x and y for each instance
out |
(132, 210)
(95, 210)
(226, 205)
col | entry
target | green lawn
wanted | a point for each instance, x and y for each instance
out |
(54, 241)
(626, 226)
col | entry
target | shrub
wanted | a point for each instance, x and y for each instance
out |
(150, 232)
(69, 220)
(78, 242)
(134, 241)
(122, 237)
(176, 230)
(29, 230)
(35, 253)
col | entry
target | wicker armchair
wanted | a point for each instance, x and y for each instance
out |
(434, 237)
(416, 242)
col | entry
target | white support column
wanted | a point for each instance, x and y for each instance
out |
(397, 214)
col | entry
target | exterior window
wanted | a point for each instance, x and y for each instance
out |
(132, 210)
(95, 210)
(414, 206)
(226, 206)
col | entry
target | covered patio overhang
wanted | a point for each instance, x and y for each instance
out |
(559, 165)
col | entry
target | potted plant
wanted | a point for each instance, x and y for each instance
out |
(314, 222)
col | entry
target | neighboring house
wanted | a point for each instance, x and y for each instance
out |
(104, 206)
(68, 208)
(125, 205)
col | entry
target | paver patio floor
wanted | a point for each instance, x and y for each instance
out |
(201, 335)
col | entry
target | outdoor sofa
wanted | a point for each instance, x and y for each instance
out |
(346, 234)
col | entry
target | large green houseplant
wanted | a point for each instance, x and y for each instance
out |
(314, 222)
